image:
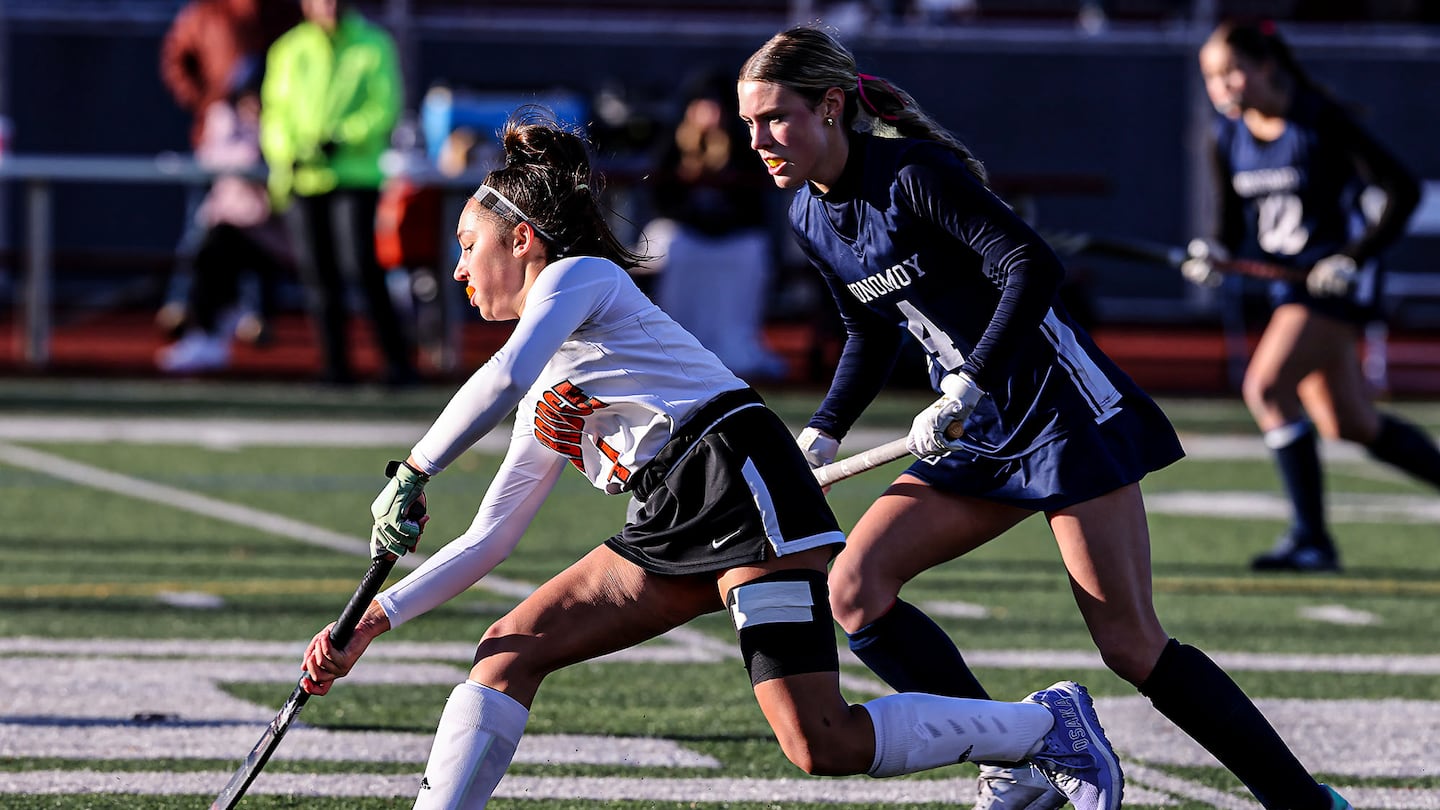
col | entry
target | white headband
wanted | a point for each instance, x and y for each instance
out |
(492, 200)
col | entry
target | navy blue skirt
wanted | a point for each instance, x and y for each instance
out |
(1083, 461)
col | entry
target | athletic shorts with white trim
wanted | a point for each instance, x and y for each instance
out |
(741, 495)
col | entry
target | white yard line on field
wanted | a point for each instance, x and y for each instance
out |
(237, 432)
(222, 433)
(102, 700)
(599, 788)
(685, 644)
(1342, 507)
(176, 498)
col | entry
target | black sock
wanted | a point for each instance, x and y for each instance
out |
(1299, 464)
(911, 653)
(1402, 444)
(1197, 695)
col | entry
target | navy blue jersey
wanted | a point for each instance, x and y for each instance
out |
(1297, 199)
(908, 240)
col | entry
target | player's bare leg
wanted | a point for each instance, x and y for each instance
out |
(1105, 545)
(1106, 548)
(1338, 398)
(909, 529)
(1337, 395)
(1296, 344)
(1291, 347)
(601, 604)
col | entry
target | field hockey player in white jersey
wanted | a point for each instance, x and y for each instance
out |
(725, 514)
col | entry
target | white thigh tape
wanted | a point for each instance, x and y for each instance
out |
(760, 603)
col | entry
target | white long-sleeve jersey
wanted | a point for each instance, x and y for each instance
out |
(599, 377)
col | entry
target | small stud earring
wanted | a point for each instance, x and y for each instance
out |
(829, 122)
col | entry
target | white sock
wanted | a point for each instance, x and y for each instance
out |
(474, 744)
(917, 732)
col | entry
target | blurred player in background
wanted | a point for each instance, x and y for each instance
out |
(1292, 166)
(896, 215)
(725, 513)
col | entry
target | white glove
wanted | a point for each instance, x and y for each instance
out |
(819, 448)
(1332, 276)
(1200, 269)
(930, 432)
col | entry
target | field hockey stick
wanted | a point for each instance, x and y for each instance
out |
(861, 462)
(893, 450)
(339, 636)
(1171, 255)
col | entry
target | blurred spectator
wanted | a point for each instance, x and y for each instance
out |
(332, 96)
(241, 236)
(713, 200)
(207, 42)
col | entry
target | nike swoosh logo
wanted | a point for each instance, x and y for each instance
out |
(727, 538)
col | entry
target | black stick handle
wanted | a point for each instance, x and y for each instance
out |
(355, 609)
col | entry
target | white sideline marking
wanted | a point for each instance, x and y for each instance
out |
(237, 432)
(1251, 447)
(129, 486)
(681, 644)
(956, 610)
(604, 788)
(1186, 789)
(1342, 507)
(81, 706)
(224, 433)
(1339, 614)
(86, 708)
(1398, 740)
(195, 600)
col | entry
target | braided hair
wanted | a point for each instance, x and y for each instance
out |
(547, 175)
(810, 61)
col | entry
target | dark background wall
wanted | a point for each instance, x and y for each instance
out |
(1042, 105)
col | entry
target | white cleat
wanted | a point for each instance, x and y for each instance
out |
(1016, 787)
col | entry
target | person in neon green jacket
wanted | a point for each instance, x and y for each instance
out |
(330, 99)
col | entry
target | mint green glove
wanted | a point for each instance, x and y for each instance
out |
(397, 526)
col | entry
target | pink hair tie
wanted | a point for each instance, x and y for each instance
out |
(869, 105)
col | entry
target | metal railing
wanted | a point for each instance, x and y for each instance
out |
(38, 175)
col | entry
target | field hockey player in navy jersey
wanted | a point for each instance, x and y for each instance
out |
(725, 514)
(896, 215)
(1293, 168)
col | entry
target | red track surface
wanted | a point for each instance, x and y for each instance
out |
(123, 344)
